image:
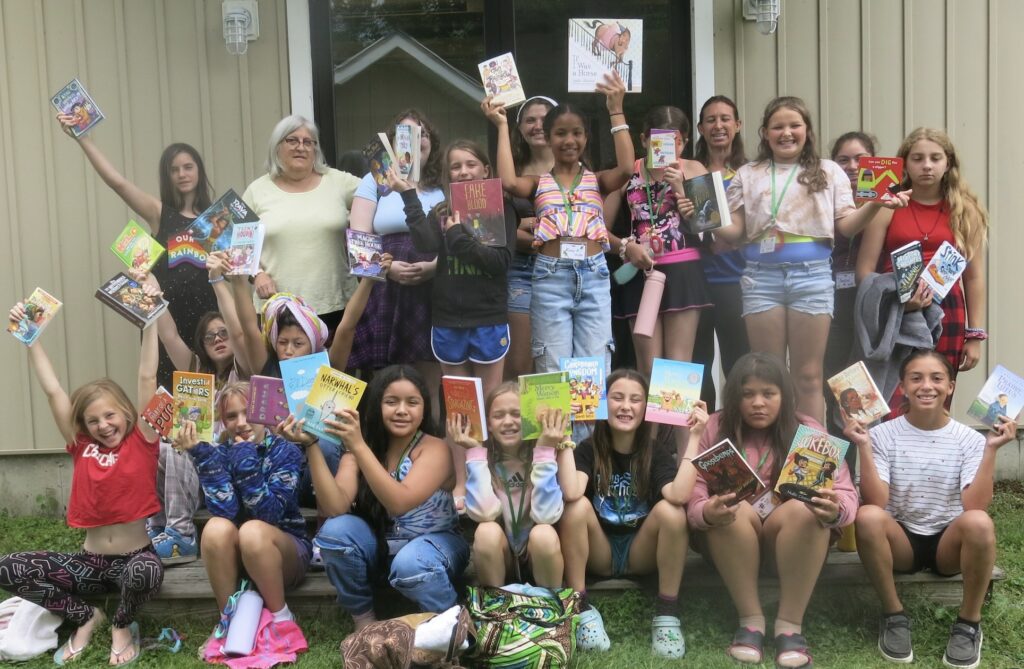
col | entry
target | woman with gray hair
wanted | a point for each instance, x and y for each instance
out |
(304, 207)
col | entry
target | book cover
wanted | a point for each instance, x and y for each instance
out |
(182, 248)
(661, 148)
(586, 387)
(125, 295)
(1002, 395)
(407, 151)
(267, 404)
(379, 157)
(212, 229)
(538, 393)
(878, 178)
(73, 99)
(944, 270)
(501, 81)
(331, 391)
(159, 412)
(857, 394)
(298, 375)
(675, 386)
(40, 308)
(907, 265)
(246, 248)
(725, 471)
(465, 395)
(813, 460)
(193, 398)
(710, 208)
(481, 208)
(364, 254)
(597, 46)
(136, 248)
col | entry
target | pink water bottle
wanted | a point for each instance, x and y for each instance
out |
(650, 304)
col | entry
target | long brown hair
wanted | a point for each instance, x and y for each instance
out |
(440, 210)
(494, 453)
(701, 152)
(204, 363)
(170, 196)
(812, 176)
(520, 149)
(430, 172)
(643, 445)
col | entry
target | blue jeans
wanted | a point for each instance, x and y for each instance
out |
(570, 311)
(423, 570)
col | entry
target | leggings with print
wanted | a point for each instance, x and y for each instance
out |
(56, 581)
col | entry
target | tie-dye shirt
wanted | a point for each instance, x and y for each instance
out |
(436, 514)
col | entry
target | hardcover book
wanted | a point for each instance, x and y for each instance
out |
(159, 413)
(40, 308)
(267, 404)
(944, 270)
(212, 229)
(125, 295)
(379, 157)
(501, 80)
(246, 248)
(661, 148)
(182, 248)
(136, 248)
(465, 395)
(726, 471)
(878, 178)
(710, 208)
(586, 387)
(298, 375)
(857, 394)
(193, 398)
(812, 463)
(675, 386)
(481, 208)
(331, 391)
(73, 99)
(364, 254)
(539, 393)
(1002, 395)
(407, 151)
(907, 265)
(598, 46)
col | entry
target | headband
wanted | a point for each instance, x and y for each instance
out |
(535, 98)
(303, 314)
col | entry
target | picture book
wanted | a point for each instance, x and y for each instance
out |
(710, 208)
(159, 413)
(364, 254)
(73, 99)
(1002, 395)
(298, 375)
(40, 308)
(813, 460)
(501, 80)
(725, 471)
(481, 208)
(379, 157)
(267, 404)
(675, 386)
(907, 265)
(598, 46)
(125, 295)
(465, 395)
(193, 398)
(246, 248)
(661, 148)
(857, 394)
(331, 391)
(538, 393)
(212, 229)
(136, 248)
(944, 270)
(586, 387)
(878, 178)
(407, 151)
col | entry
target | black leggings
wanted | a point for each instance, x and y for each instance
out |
(53, 580)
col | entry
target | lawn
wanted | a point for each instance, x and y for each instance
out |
(841, 626)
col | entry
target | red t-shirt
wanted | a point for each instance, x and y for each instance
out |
(113, 485)
(911, 224)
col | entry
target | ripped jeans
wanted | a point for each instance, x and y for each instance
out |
(423, 570)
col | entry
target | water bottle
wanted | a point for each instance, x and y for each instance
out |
(241, 637)
(650, 304)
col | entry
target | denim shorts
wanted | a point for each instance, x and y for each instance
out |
(484, 344)
(806, 287)
(520, 283)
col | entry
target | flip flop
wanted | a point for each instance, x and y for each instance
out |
(747, 639)
(793, 643)
(135, 643)
(58, 657)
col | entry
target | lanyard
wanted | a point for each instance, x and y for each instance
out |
(408, 449)
(760, 463)
(516, 516)
(652, 202)
(567, 197)
(778, 203)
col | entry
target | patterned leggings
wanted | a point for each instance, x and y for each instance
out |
(52, 580)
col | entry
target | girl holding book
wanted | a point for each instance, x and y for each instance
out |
(113, 491)
(791, 537)
(513, 493)
(624, 510)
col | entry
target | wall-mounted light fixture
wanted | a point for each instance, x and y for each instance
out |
(765, 12)
(241, 24)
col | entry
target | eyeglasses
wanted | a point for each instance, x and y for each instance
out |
(294, 142)
(211, 337)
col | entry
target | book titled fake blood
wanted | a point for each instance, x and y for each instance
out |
(481, 208)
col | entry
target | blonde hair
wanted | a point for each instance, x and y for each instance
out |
(95, 390)
(968, 217)
(812, 175)
(240, 388)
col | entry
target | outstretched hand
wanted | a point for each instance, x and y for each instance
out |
(459, 429)
(698, 419)
(614, 89)
(494, 111)
(396, 182)
(186, 438)
(553, 424)
(1003, 432)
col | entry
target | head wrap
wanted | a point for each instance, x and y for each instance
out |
(530, 101)
(304, 316)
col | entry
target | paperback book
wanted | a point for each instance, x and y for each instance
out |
(159, 413)
(710, 208)
(907, 265)
(857, 394)
(193, 399)
(501, 80)
(465, 395)
(126, 296)
(298, 375)
(212, 230)
(74, 100)
(481, 208)
(40, 308)
(878, 178)
(379, 157)
(267, 403)
(599, 46)
(246, 248)
(365, 250)
(661, 148)
(539, 393)
(182, 248)
(726, 471)
(586, 387)
(1002, 395)
(136, 248)
(407, 151)
(331, 391)
(811, 465)
(675, 386)
(944, 270)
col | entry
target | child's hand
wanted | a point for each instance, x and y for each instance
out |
(458, 430)
(17, 313)
(553, 424)
(921, 299)
(385, 262)
(495, 112)
(720, 510)
(67, 123)
(291, 430)
(1003, 432)
(614, 90)
(452, 221)
(674, 178)
(825, 506)
(898, 201)
(396, 182)
(217, 264)
(346, 427)
(698, 419)
(637, 256)
(186, 438)
(856, 432)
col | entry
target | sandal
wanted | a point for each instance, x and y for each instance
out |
(135, 644)
(792, 643)
(590, 634)
(746, 639)
(667, 637)
(58, 657)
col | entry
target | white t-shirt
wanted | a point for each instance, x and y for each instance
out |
(926, 471)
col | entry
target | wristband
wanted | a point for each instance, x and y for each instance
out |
(622, 246)
(976, 333)
(620, 128)
(567, 444)
(217, 280)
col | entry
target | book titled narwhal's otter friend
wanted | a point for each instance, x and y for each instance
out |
(332, 391)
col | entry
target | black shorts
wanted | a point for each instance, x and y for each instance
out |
(924, 548)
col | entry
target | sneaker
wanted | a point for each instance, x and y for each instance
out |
(894, 638)
(154, 532)
(316, 560)
(964, 648)
(174, 548)
(590, 634)
(667, 637)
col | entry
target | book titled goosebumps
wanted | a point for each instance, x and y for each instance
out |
(1002, 395)
(907, 265)
(465, 395)
(944, 269)
(212, 229)
(481, 208)
(725, 471)
(40, 308)
(331, 391)
(193, 397)
(136, 248)
(73, 99)
(586, 387)
(539, 393)
(675, 386)
(813, 461)
(501, 80)
(878, 178)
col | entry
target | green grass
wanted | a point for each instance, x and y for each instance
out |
(841, 624)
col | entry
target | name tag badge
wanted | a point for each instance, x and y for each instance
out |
(572, 251)
(845, 280)
(764, 504)
(768, 244)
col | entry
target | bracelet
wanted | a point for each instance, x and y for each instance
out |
(620, 128)
(567, 444)
(616, 114)
(217, 280)
(976, 333)
(622, 246)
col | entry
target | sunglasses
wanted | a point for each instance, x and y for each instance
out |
(211, 337)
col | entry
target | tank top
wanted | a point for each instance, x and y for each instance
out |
(436, 513)
(585, 202)
(671, 243)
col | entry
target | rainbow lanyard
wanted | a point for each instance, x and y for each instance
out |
(567, 197)
(778, 203)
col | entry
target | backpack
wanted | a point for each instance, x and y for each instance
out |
(523, 627)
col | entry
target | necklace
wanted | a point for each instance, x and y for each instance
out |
(938, 215)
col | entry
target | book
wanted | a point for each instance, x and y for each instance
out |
(878, 178)
(538, 393)
(661, 148)
(40, 308)
(298, 375)
(136, 248)
(501, 81)
(481, 208)
(710, 208)
(379, 157)
(267, 404)
(857, 394)
(182, 248)
(598, 46)
(586, 387)
(1002, 395)
(159, 412)
(246, 248)
(675, 386)
(465, 395)
(907, 265)
(213, 228)
(813, 460)
(944, 270)
(406, 151)
(125, 295)
(364, 253)
(193, 398)
(726, 471)
(73, 99)
(331, 391)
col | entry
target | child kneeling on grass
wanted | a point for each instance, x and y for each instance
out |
(926, 481)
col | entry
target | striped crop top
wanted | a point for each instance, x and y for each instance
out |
(587, 216)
